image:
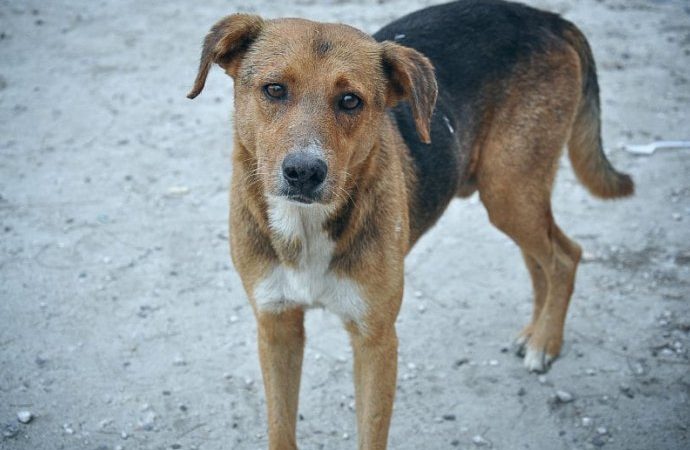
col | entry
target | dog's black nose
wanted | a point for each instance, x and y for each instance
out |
(304, 172)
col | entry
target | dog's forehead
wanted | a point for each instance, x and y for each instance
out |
(290, 39)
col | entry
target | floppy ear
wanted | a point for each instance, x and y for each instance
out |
(411, 77)
(225, 44)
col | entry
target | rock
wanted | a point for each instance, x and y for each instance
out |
(564, 396)
(9, 430)
(25, 416)
(147, 421)
(627, 391)
(449, 417)
(586, 422)
(598, 441)
(602, 430)
(542, 379)
(479, 441)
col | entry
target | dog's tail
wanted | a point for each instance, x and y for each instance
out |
(585, 149)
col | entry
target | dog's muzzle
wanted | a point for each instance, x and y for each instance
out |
(304, 174)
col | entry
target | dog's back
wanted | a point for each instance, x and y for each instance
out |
(477, 48)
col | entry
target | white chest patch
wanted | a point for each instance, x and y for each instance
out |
(310, 284)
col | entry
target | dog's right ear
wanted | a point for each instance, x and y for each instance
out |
(225, 44)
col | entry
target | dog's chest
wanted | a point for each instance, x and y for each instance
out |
(307, 282)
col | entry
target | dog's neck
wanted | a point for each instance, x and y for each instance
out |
(296, 231)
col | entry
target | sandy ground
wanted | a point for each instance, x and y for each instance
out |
(123, 324)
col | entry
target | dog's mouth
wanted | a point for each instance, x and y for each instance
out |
(300, 198)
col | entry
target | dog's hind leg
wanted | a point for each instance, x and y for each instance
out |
(515, 173)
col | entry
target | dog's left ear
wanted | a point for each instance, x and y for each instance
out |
(225, 44)
(411, 77)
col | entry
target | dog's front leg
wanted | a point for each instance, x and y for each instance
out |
(375, 371)
(281, 348)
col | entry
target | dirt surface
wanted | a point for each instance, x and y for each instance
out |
(123, 324)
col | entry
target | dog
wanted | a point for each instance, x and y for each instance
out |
(348, 147)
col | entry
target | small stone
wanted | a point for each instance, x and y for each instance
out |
(564, 396)
(586, 422)
(598, 441)
(627, 391)
(179, 361)
(234, 318)
(124, 435)
(10, 430)
(449, 417)
(602, 430)
(479, 441)
(676, 216)
(455, 442)
(461, 362)
(591, 372)
(25, 416)
(119, 447)
(521, 392)
(418, 294)
(493, 362)
(346, 436)
(178, 191)
(147, 421)
(67, 429)
(542, 379)
(176, 446)
(421, 308)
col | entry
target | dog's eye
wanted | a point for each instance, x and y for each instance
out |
(275, 91)
(349, 102)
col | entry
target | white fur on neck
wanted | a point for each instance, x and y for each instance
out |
(310, 284)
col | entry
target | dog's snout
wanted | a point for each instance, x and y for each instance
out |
(304, 172)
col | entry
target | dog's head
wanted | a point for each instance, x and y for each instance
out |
(310, 98)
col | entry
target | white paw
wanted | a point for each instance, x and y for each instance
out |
(537, 360)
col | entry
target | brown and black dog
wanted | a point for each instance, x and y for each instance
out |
(349, 147)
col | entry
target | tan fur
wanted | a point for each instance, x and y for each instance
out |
(371, 184)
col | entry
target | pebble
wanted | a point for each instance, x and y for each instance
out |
(564, 396)
(147, 421)
(627, 391)
(602, 430)
(346, 436)
(124, 435)
(178, 191)
(179, 361)
(479, 441)
(67, 429)
(25, 416)
(449, 417)
(9, 430)
(542, 379)
(586, 421)
(493, 362)
(234, 318)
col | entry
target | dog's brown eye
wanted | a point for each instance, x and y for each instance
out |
(276, 91)
(349, 102)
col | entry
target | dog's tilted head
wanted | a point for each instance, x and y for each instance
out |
(310, 98)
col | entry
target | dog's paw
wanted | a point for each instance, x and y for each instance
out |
(536, 360)
(537, 352)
